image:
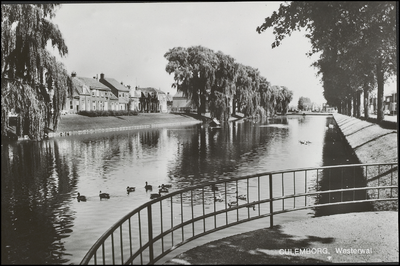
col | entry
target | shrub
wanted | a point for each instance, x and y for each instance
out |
(108, 113)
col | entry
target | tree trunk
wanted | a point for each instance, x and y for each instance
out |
(366, 102)
(234, 106)
(380, 81)
(358, 99)
(348, 108)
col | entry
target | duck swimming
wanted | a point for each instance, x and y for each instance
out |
(232, 204)
(241, 197)
(148, 187)
(81, 197)
(130, 189)
(104, 195)
(163, 190)
(218, 198)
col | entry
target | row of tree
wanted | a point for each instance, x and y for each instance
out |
(356, 43)
(33, 83)
(215, 80)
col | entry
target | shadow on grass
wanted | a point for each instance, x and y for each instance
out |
(260, 247)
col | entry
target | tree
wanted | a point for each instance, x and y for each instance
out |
(304, 103)
(223, 90)
(349, 35)
(194, 73)
(286, 97)
(216, 79)
(33, 83)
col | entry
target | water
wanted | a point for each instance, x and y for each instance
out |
(43, 223)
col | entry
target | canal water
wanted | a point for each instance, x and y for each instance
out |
(44, 223)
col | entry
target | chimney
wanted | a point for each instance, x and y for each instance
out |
(101, 76)
(73, 74)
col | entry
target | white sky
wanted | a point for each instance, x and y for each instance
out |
(127, 41)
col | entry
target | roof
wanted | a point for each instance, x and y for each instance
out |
(80, 87)
(179, 94)
(94, 84)
(150, 89)
(115, 84)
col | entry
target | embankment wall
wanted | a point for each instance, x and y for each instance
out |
(373, 144)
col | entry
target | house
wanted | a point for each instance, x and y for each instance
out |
(152, 100)
(118, 89)
(390, 103)
(180, 103)
(134, 100)
(81, 96)
(100, 96)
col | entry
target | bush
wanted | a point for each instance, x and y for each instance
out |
(108, 113)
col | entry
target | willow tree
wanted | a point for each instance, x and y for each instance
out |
(364, 30)
(194, 73)
(286, 97)
(249, 97)
(224, 87)
(33, 84)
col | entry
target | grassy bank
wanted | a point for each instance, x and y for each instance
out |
(75, 122)
(373, 144)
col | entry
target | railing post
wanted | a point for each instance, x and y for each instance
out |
(271, 205)
(150, 228)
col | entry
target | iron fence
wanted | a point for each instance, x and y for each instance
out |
(159, 226)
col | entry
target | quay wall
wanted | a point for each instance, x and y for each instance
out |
(373, 144)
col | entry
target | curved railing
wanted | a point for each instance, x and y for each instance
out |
(159, 226)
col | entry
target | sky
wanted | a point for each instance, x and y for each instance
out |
(128, 41)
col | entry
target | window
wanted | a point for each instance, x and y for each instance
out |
(94, 105)
(93, 93)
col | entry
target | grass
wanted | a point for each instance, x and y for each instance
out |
(74, 122)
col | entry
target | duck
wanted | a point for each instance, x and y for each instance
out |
(218, 198)
(155, 195)
(165, 185)
(104, 195)
(148, 187)
(241, 197)
(305, 142)
(130, 189)
(232, 204)
(214, 187)
(163, 190)
(81, 197)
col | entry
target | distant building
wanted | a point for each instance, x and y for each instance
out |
(152, 100)
(134, 95)
(119, 90)
(180, 103)
(90, 95)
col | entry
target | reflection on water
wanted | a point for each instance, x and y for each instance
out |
(44, 223)
(340, 178)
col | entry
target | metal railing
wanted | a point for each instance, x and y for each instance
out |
(156, 228)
